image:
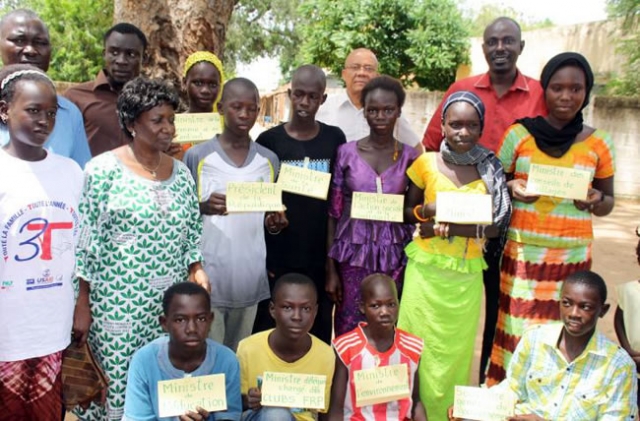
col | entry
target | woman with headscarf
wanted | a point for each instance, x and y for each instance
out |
(202, 81)
(443, 279)
(549, 238)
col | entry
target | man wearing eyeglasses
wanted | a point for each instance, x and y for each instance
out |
(345, 109)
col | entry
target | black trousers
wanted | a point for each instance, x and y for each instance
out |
(322, 326)
(491, 278)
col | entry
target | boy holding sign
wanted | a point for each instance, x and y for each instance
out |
(233, 245)
(286, 352)
(185, 354)
(376, 376)
(306, 143)
(569, 370)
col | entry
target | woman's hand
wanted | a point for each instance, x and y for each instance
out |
(518, 188)
(333, 287)
(426, 229)
(275, 222)
(82, 314)
(594, 198)
(199, 276)
(215, 205)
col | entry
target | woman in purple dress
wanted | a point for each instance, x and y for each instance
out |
(376, 163)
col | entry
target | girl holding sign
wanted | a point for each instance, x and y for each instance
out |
(375, 163)
(549, 237)
(443, 279)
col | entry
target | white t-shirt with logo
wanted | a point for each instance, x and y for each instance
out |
(38, 233)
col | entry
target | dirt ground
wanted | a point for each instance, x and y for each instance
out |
(614, 259)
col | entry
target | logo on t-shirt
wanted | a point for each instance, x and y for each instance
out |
(42, 230)
(321, 165)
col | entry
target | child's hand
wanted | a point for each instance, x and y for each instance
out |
(254, 396)
(275, 222)
(215, 205)
(200, 415)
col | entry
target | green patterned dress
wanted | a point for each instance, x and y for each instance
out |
(137, 238)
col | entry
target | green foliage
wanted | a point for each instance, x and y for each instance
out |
(262, 28)
(628, 82)
(489, 12)
(417, 41)
(76, 28)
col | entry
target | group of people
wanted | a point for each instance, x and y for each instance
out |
(141, 242)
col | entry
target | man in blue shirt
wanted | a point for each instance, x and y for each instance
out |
(24, 39)
(187, 352)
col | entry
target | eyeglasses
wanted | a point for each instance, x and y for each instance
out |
(359, 67)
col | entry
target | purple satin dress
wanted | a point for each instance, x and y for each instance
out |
(363, 247)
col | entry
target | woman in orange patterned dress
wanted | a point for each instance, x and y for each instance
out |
(549, 237)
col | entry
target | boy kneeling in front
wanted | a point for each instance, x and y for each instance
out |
(289, 348)
(186, 352)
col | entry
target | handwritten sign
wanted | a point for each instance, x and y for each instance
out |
(464, 208)
(254, 197)
(567, 183)
(304, 181)
(377, 207)
(291, 390)
(476, 403)
(196, 127)
(381, 384)
(176, 397)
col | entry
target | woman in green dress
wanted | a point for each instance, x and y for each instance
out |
(140, 231)
(443, 279)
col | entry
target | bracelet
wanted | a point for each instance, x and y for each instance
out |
(436, 229)
(417, 215)
(274, 232)
(478, 231)
(446, 231)
(484, 227)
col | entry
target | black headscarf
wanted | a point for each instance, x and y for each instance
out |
(550, 140)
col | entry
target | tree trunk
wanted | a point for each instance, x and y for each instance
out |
(175, 29)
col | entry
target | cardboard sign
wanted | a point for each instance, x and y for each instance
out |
(291, 390)
(304, 181)
(176, 397)
(567, 183)
(464, 208)
(377, 207)
(476, 403)
(381, 384)
(254, 197)
(196, 127)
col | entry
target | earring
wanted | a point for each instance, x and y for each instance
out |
(133, 133)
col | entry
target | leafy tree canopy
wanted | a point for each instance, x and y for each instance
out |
(480, 19)
(628, 11)
(418, 41)
(76, 28)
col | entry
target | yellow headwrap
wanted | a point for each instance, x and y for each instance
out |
(200, 56)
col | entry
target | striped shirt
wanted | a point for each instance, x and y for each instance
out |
(599, 384)
(551, 221)
(356, 353)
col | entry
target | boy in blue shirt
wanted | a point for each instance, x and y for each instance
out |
(186, 352)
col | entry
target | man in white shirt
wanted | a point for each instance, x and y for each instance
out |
(345, 109)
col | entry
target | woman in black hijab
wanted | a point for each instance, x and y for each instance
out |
(549, 238)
